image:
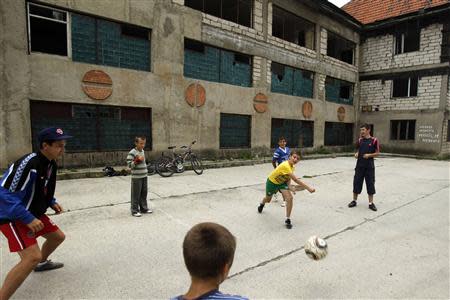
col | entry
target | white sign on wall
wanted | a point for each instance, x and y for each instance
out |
(427, 134)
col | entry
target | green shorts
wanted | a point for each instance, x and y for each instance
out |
(272, 188)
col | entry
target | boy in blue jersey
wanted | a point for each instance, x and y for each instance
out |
(280, 155)
(208, 250)
(26, 192)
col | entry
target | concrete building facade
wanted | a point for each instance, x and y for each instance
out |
(173, 73)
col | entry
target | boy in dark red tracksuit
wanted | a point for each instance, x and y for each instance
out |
(26, 192)
(368, 148)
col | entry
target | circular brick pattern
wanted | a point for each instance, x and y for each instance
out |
(195, 95)
(97, 85)
(307, 109)
(341, 113)
(260, 102)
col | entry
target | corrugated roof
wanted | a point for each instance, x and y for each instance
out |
(369, 11)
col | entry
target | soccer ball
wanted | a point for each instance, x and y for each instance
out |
(316, 248)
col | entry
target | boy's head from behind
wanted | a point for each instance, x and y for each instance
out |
(208, 250)
(282, 141)
(139, 142)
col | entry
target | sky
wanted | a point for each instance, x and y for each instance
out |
(339, 3)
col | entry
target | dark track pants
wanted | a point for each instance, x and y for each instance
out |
(361, 174)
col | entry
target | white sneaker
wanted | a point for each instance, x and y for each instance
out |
(136, 214)
(275, 198)
(283, 203)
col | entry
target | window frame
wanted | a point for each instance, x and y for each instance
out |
(410, 78)
(407, 130)
(402, 35)
(67, 22)
(249, 117)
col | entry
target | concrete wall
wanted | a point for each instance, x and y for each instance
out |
(53, 78)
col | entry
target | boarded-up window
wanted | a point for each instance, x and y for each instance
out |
(338, 91)
(298, 133)
(338, 134)
(94, 127)
(403, 130)
(292, 28)
(47, 29)
(291, 81)
(235, 131)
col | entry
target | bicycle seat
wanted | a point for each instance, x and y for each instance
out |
(171, 147)
(182, 147)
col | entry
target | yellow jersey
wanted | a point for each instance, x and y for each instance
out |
(282, 173)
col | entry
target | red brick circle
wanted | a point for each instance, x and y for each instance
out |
(97, 85)
(307, 109)
(260, 103)
(341, 113)
(195, 95)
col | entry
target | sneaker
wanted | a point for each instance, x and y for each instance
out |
(260, 207)
(148, 211)
(136, 214)
(47, 266)
(283, 203)
(372, 207)
(288, 223)
(352, 204)
(275, 198)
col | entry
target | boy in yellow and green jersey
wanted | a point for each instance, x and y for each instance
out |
(279, 181)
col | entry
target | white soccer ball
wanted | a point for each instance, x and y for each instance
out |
(316, 248)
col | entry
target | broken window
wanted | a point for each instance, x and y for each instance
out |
(47, 29)
(291, 81)
(340, 48)
(407, 38)
(292, 28)
(405, 87)
(403, 129)
(338, 91)
(237, 11)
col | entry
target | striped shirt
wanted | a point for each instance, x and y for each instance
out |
(281, 154)
(214, 294)
(138, 170)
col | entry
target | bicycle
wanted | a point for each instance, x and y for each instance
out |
(166, 165)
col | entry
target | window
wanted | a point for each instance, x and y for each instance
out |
(292, 28)
(235, 131)
(403, 130)
(338, 134)
(47, 28)
(291, 81)
(445, 49)
(340, 48)
(338, 91)
(103, 42)
(96, 127)
(404, 87)
(214, 64)
(237, 11)
(448, 131)
(297, 133)
(407, 38)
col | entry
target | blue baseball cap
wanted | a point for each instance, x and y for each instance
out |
(52, 134)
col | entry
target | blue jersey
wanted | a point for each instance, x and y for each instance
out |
(281, 155)
(214, 294)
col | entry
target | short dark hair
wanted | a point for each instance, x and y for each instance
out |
(294, 152)
(281, 138)
(207, 248)
(365, 125)
(48, 142)
(139, 137)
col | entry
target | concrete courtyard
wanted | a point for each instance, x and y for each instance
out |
(400, 251)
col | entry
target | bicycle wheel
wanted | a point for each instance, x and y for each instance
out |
(151, 168)
(164, 166)
(197, 165)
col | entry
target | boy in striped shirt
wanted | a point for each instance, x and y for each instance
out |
(136, 162)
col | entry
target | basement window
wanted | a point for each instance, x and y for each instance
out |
(407, 40)
(340, 48)
(236, 11)
(292, 28)
(403, 130)
(404, 87)
(47, 30)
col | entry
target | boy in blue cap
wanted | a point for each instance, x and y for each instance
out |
(26, 192)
